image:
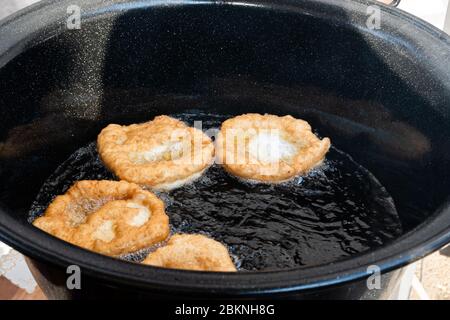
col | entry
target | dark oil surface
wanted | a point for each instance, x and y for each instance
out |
(337, 210)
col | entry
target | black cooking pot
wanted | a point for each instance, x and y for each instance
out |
(382, 95)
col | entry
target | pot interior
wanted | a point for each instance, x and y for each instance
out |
(380, 95)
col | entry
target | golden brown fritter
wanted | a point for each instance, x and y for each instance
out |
(161, 154)
(192, 252)
(108, 217)
(269, 148)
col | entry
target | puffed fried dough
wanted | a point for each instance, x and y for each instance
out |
(192, 252)
(108, 217)
(160, 154)
(299, 150)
